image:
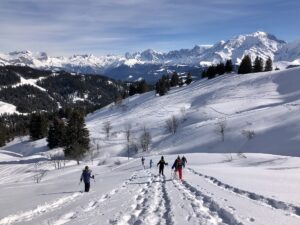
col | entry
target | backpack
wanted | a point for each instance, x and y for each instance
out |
(179, 163)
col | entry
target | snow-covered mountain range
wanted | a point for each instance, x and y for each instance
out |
(149, 64)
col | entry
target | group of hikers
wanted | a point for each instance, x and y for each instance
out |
(178, 164)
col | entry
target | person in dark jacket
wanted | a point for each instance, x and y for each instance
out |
(86, 177)
(178, 167)
(143, 162)
(184, 161)
(162, 165)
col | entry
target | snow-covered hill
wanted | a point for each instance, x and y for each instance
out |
(150, 63)
(260, 114)
(265, 104)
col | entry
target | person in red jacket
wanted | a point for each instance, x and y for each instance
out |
(178, 167)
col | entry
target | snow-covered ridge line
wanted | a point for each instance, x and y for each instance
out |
(258, 43)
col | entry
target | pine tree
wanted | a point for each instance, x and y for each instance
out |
(3, 135)
(269, 65)
(161, 86)
(258, 65)
(38, 126)
(142, 87)
(220, 69)
(167, 82)
(77, 137)
(204, 74)
(189, 79)
(245, 66)
(174, 79)
(56, 134)
(132, 89)
(228, 66)
(211, 72)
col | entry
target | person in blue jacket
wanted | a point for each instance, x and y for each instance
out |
(86, 178)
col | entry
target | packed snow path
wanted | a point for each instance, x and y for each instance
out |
(129, 194)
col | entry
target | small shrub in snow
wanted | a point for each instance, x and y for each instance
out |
(249, 134)
(107, 128)
(118, 162)
(145, 139)
(39, 173)
(58, 160)
(133, 147)
(241, 155)
(39, 176)
(101, 162)
(183, 113)
(114, 134)
(172, 124)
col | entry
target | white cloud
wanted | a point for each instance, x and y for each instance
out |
(66, 26)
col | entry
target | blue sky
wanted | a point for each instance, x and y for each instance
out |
(66, 27)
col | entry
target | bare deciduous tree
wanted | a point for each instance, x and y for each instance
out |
(39, 173)
(94, 149)
(128, 132)
(183, 113)
(107, 128)
(221, 128)
(172, 124)
(128, 136)
(145, 140)
(58, 160)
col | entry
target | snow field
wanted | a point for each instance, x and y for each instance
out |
(127, 194)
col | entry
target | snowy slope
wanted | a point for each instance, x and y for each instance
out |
(266, 104)
(7, 108)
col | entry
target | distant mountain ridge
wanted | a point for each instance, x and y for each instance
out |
(151, 64)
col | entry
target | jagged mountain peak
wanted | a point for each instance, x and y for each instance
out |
(258, 43)
(254, 44)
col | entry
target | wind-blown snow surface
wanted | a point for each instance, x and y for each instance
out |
(218, 188)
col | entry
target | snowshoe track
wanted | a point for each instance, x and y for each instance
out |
(204, 207)
(151, 206)
(292, 209)
(39, 210)
(85, 211)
